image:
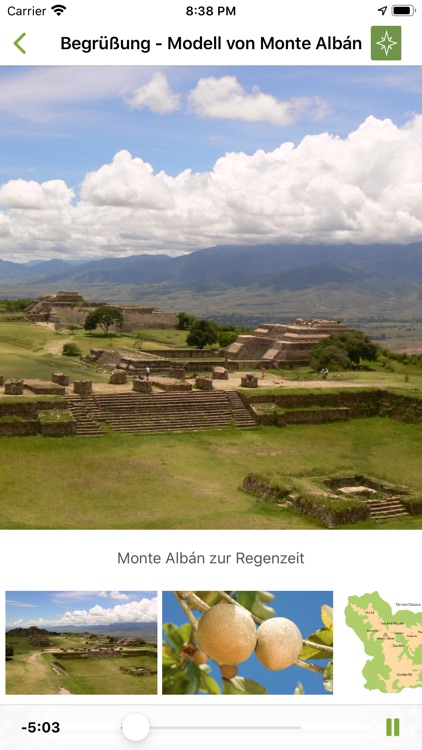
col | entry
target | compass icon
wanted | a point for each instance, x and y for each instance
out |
(386, 43)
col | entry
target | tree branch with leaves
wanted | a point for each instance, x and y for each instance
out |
(230, 637)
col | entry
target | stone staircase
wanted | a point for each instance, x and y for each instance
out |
(390, 507)
(159, 412)
(240, 413)
(80, 409)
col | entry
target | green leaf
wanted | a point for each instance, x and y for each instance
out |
(261, 610)
(185, 632)
(178, 636)
(173, 635)
(323, 636)
(328, 677)
(299, 689)
(192, 676)
(327, 616)
(246, 599)
(266, 596)
(167, 661)
(255, 603)
(242, 686)
(208, 684)
(173, 681)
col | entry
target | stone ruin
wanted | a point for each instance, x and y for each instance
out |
(118, 377)
(141, 386)
(1, 379)
(60, 378)
(276, 345)
(220, 373)
(178, 373)
(14, 387)
(204, 384)
(249, 381)
(83, 388)
(69, 307)
(41, 310)
(39, 640)
(44, 388)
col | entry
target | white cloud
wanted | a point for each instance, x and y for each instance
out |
(155, 95)
(28, 194)
(20, 604)
(226, 98)
(119, 595)
(126, 182)
(142, 611)
(47, 91)
(363, 188)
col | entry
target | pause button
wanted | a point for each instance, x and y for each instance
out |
(392, 728)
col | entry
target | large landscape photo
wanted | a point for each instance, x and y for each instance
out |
(210, 298)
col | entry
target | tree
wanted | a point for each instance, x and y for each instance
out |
(343, 352)
(185, 321)
(105, 317)
(90, 322)
(9, 652)
(202, 333)
(225, 338)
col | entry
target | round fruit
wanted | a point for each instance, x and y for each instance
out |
(228, 671)
(200, 657)
(279, 643)
(227, 633)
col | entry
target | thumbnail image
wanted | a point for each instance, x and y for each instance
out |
(391, 638)
(81, 643)
(211, 274)
(248, 642)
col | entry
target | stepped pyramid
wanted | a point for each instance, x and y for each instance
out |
(283, 345)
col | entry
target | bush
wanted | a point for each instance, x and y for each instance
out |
(71, 350)
(342, 352)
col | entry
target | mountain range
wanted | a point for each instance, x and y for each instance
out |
(360, 276)
(145, 630)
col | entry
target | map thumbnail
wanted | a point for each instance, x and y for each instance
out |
(394, 641)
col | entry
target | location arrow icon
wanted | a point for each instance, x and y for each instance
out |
(383, 10)
(17, 45)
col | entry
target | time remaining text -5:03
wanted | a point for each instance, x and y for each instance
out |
(45, 726)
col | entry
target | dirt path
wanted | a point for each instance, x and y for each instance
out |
(33, 656)
(270, 381)
(57, 346)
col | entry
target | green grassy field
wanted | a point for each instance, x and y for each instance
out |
(29, 672)
(32, 351)
(192, 480)
(185, 480)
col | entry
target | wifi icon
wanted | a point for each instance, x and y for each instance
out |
(58, 9)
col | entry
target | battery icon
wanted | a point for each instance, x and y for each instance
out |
(402, 10)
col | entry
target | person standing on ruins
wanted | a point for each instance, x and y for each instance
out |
(147, 372)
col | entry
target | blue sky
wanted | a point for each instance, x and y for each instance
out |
(303, 607)
(50, 134)
(81, 608)
(207, 155)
